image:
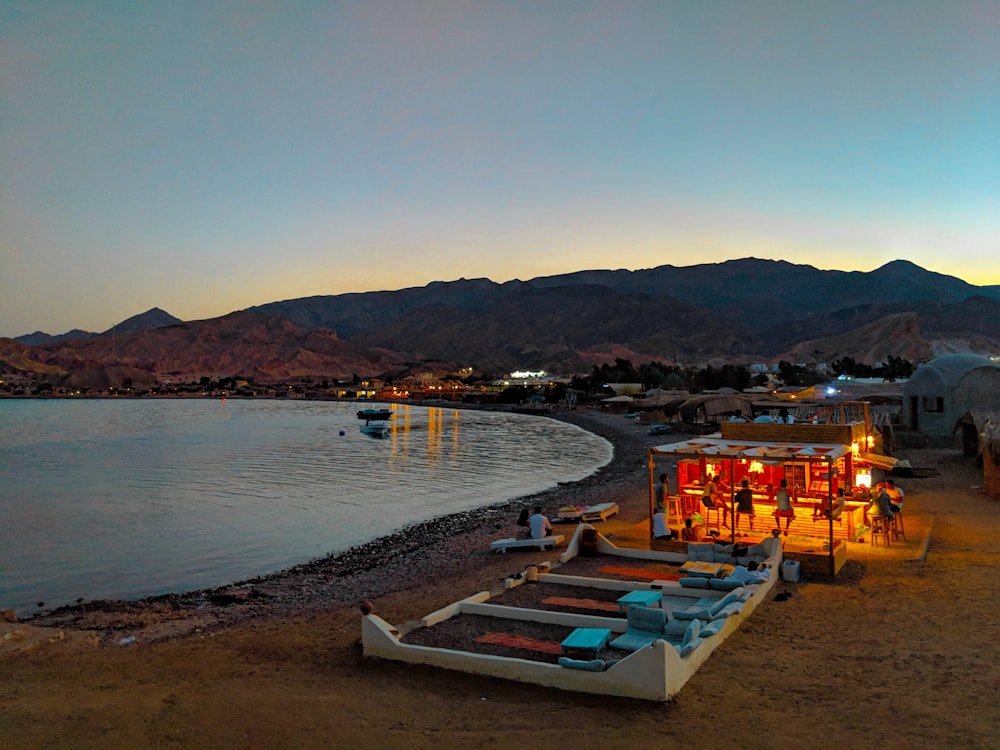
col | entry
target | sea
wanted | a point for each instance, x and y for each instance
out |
(129, 498)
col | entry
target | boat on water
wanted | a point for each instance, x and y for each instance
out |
(373, 413)
(376, 430)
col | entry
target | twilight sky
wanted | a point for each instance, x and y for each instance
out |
(205, 156)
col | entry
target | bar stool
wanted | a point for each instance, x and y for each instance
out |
(707, 512)
(897, 525)
(881, 527)
(675, 508)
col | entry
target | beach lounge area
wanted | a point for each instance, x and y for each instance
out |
(604, 619)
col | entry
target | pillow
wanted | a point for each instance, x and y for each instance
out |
(589, 665)
(687, 648)
(676, 626)
(693, 613)
(729, 610)
(729, 598)
(724, 584)
(707, 631)
(694, 583)
(758, 552)
(701, 552)
(692, 632)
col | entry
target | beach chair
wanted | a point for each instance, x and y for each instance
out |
(546, 542)
(599, 512)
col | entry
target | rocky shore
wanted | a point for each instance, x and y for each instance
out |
(372, 570)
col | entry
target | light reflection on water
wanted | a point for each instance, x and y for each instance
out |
(130, 498)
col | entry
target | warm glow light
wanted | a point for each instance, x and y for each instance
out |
(863, 479)
(756, 467)
(854, 449)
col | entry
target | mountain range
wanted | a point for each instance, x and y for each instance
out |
(740, 311)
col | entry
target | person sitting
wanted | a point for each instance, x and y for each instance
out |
(880, 506)
(712, 498)
(838, 505)
(690, 532)
(540, 525)
(744, 503)
(661, 529)
(895, 495)
(524, 527)
(784, 509)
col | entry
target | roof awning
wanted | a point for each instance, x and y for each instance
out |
(877, 460)
(720, 448)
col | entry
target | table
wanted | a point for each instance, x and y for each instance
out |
(701, 568)
(586, 639)
(641, 597)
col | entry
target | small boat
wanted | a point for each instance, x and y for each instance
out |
(377, 430)
(660, 428)
(372, 413)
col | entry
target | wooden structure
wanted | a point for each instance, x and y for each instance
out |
(815, 459)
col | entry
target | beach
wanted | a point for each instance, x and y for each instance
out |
(899, 651)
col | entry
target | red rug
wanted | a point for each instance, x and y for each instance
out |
(520, 641)
(565, 601)
(650, 575)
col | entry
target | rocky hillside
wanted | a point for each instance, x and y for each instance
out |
(738, 312)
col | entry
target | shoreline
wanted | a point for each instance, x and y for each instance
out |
(370, 570)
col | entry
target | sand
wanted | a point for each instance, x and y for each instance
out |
(900, 652)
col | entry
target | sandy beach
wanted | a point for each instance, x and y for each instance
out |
(900, 651)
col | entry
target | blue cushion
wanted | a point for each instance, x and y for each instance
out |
(588, 665)
(723, 584)
(712, 628)
(701, 551)
(634, 641)
(686, 648)
(730, 609)
(732, 596)
(676, 626)
(692, 632)
(694, 583)
(693, 613)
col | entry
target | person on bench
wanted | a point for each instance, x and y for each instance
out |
(540, 525)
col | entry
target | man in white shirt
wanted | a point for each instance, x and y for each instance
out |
(540, 525)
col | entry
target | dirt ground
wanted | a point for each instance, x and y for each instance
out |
(900, 652)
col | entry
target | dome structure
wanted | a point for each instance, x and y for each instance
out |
(940, 392)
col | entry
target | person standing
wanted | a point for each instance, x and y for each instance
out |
(744, 504)
(540, 525)
(661, 494)
(784, 510)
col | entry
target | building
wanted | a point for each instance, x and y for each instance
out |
(941, 392)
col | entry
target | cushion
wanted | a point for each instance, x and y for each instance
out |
(724, 584)
(732, 596)
(687, 648)
(693, 613)
(676, 626)
(729, 610)
(692, 632)
(701, 552)
(646, 619)
(634, 641)
(712, 628)
(588, 665)
(694, 583)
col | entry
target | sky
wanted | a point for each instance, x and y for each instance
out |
(204, 156)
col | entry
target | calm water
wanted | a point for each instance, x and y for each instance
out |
(130, 498)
